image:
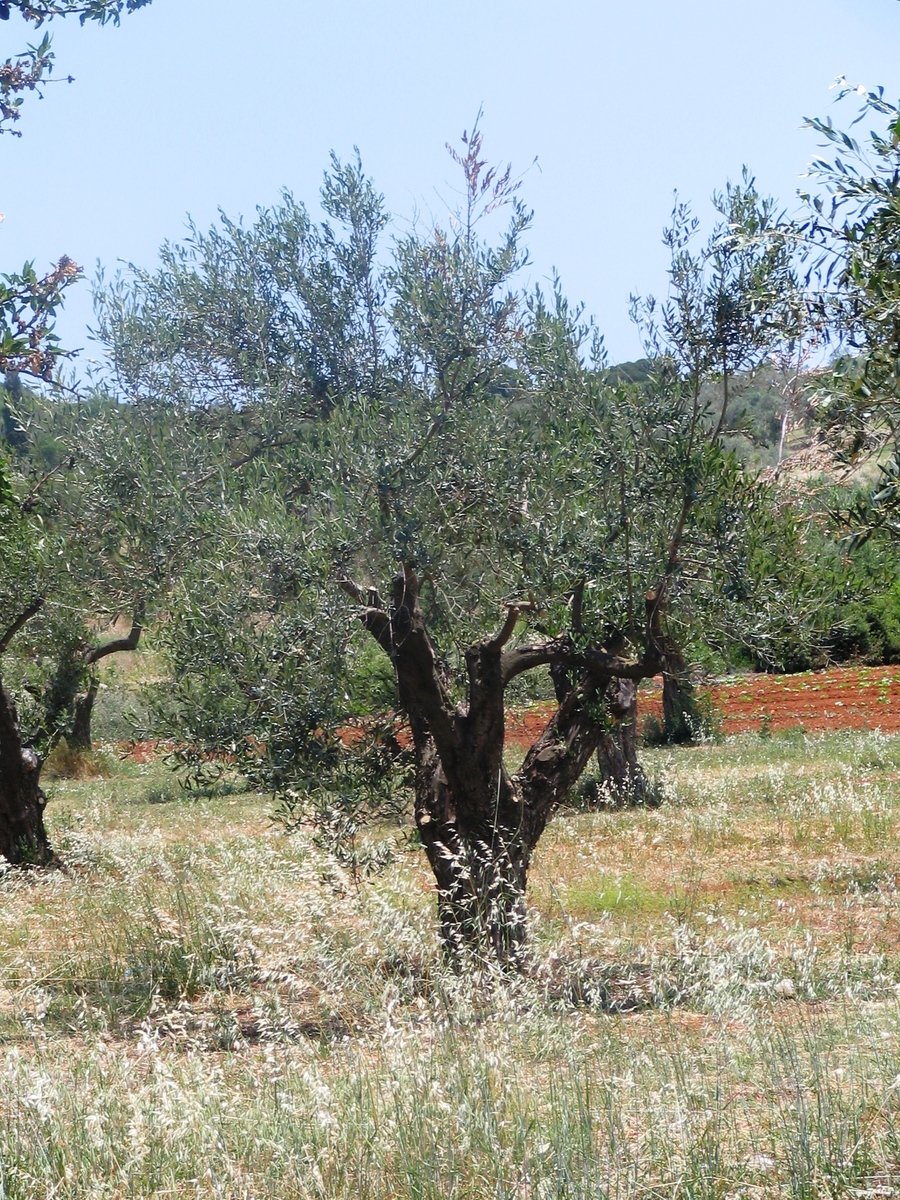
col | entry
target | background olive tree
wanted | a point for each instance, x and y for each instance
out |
(734, 302)
(32, 561)
(851, 239)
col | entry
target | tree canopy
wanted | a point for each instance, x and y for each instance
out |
(416, 448)
(851, 241)
(32, 557)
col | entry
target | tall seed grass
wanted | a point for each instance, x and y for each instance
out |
(505, 1108)
(202, 1008)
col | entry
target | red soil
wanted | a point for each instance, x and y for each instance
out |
(139, 752)
(816, 701)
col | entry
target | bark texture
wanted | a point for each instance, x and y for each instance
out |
(623, 781)
(479, 825)
(23, 838)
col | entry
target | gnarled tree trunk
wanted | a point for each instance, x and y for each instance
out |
(623, 781)
(478, 824)
(469, 812)
(480, 864)
(23, 838)
(681, 718)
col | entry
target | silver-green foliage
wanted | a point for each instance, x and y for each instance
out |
(375, 404)
(852, 237)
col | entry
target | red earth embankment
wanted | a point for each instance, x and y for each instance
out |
(816, 701)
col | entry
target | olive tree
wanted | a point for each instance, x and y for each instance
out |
(31, 560)
(851, 240)
(94, 532)
(445, 467)
(734, 302)
(133, 512)
(23, 570)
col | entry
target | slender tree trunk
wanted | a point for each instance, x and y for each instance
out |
(623, 781)
(681, 718)
(79, 737)
(23, 838)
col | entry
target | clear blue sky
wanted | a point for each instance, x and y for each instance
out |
(193, 105)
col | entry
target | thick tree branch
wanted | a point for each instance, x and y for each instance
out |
(402, 635)
(600, 662)
(528, 658)
(378, 623)
(366, 596)
(115, 645)
(420, 677)
(21, 620)
(484, 722)
(561, 652)
(557, 758)
(30, 501)
(371, 616)
(506, 631)
(352, 589)
(243, 459)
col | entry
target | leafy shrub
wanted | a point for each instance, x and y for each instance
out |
(869, 628)
(165, 794)
(371, 685)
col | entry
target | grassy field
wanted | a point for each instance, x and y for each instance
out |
(206, 1006)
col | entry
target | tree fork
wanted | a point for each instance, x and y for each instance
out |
(478, 825)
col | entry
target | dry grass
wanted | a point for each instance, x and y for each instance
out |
(204, 1006)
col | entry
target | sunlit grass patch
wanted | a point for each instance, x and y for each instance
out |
(608, 894)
